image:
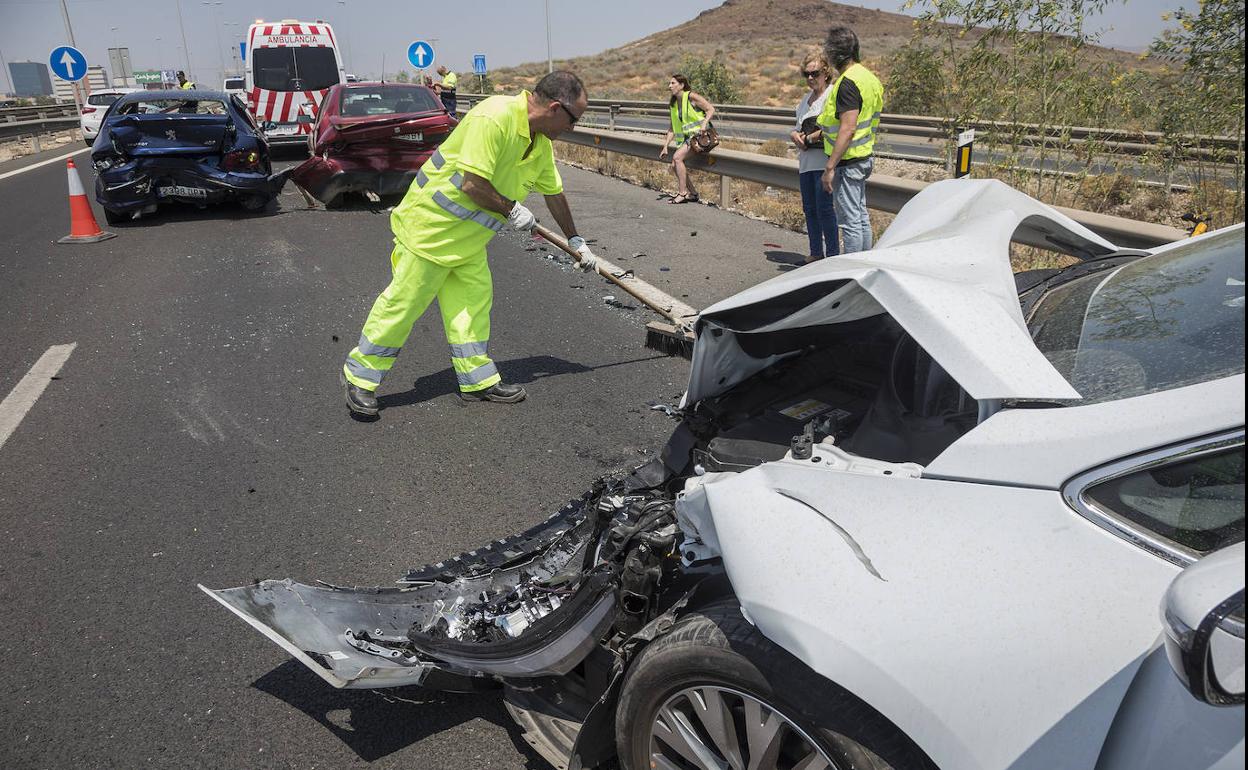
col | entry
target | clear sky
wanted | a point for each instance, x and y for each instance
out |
(507, 31)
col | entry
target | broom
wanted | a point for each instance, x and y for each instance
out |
(673, 338)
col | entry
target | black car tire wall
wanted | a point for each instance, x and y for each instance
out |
(717, 646)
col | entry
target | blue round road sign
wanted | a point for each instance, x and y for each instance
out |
(67, 63)
(420, 54)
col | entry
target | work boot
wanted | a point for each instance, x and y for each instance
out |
(502, 393)
(359, 400)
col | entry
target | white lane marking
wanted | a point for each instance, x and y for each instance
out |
(32, 166)
(24, 395)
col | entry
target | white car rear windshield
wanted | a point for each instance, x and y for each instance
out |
(103, 100)
(1160, 322)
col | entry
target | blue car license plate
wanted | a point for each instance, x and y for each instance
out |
(178, 191)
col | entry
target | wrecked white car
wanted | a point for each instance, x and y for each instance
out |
(918, 512)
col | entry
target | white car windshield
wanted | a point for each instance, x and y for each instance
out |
(1159, 322)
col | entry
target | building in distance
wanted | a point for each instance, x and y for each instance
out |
(30, 78)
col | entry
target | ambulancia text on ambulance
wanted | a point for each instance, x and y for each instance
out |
(291, 65)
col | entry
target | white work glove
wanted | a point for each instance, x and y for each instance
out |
(521, 218)
(589, 262)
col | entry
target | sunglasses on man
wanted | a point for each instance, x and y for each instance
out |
(571, 116)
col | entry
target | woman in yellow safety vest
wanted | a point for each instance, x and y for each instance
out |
(691, 113)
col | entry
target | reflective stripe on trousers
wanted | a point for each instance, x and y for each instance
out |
(465, 296)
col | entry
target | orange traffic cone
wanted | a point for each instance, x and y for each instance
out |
(82, 225)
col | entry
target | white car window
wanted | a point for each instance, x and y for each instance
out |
(1160, 322)
(1195, 503)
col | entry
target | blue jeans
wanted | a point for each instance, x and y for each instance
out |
(849, 192)
(820, 215)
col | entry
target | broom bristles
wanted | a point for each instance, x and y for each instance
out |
(669, 340)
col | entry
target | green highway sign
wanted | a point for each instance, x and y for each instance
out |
(147, 76)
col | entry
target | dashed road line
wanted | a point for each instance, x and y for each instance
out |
(15, 172)
(24, 395)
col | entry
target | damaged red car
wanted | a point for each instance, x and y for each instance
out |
(372, 138)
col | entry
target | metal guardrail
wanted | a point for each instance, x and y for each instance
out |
(1096, 140)
(38, 112)
(884, 193)
(26, 127)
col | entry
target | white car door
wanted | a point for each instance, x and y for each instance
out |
(1190, 503)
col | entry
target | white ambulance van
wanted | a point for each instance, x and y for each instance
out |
(291, 65)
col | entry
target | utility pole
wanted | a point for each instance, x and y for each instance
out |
(181, 27)
(550, 63)
(69, 30)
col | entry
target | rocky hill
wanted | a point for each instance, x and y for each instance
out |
(762, 41)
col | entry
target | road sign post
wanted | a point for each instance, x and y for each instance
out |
(420, 54)
(966, 141)
(68, 64)
(478, 69)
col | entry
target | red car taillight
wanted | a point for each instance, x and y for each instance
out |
(241, 160)
(88, 110)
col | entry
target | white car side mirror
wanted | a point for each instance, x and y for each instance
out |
(1203, 613)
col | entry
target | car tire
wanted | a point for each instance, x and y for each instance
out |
(716, 655)
(116, 217)
(335, 202)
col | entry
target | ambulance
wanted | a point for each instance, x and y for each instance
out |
(291, 65)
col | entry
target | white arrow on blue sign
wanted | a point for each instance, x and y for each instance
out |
(67, 63)
(420, 54)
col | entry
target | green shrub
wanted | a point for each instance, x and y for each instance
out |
(711, 78)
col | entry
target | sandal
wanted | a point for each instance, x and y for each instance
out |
(681, 198)
(693, 198)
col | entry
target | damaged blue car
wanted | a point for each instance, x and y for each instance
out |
(197, 147)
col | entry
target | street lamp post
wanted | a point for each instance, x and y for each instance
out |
(216, 31)
(346, 35)
(550, 62)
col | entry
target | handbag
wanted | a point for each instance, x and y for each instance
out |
(809, 126)
(705, 140)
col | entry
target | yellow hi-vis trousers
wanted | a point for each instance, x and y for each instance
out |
(465, 294)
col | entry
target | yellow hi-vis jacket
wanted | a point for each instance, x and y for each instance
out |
(449, 81)
(686, 117)
(863, 142)
(436, 219)
(188, 85)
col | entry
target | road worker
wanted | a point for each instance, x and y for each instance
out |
(850, 122)
(467, 191)
(446, 89)
(183, 83)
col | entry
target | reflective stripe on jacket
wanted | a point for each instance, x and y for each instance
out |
(686, 117)
(863, 142)
(436, 219)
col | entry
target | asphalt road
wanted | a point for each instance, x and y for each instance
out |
(197, 434)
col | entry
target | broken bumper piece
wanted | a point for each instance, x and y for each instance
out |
(527, 606)
(330, 630)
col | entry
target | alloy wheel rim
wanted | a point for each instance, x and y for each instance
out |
(717, 728)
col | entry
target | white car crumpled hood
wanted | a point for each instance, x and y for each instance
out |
(942, 271)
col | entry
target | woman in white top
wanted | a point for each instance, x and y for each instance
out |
(811, 159)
